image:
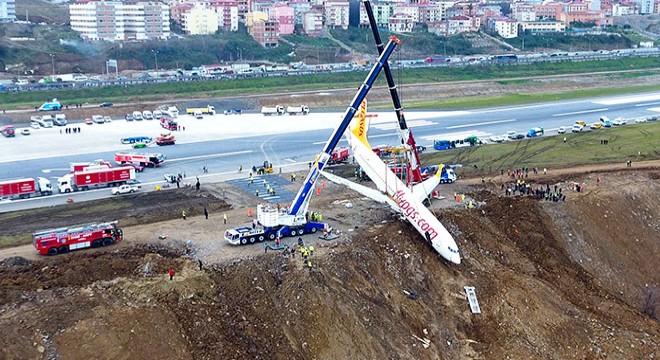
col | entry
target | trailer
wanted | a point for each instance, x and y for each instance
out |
(209, 109)
(96, 164)
(84, 180)
(146, 160)
(62, 240)
(297, 110)
(272, 110)
(25, 188)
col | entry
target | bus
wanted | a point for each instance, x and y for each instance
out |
(506, 57)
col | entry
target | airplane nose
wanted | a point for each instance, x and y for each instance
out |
(456, 259)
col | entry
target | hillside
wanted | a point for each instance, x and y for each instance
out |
(555, 280)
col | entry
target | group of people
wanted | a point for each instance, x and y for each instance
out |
(522, 173)
(71, 130)
(314, 216)
(540, 192)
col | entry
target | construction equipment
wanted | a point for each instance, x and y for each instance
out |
(266, 168)
(294, 220)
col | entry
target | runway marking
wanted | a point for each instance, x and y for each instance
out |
(627, 100)
(657, 109)
(647, 104)
(343, 139)
(411, 124)
(481, 123)
(290, 160)
(210, 156)
(580, 112)
(455, 135)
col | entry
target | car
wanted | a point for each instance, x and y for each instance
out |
(619, 122)
(596, 125)
(137, 167)
(25, 131)
(89, 121)
(129, 117)
(170, 178)
(135, 182)
(652, 118)
(139, 146)
(497, 138)
(581, 123)
(607, 123)
(107, 119)
(561, 130)
(519, 136)
(577, 128)
(421, 149)
(34, 125)
(105, 104)
(640, 120)
(124, 189)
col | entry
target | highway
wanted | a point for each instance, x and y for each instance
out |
(222, 143)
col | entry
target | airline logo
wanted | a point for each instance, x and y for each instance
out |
(360, 124)
(413, 214)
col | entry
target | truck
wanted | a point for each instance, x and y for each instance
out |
(272, 110)
(8, 131)
(534, 132)
(297, 110)
(165, 138)
(60, 120)
(166, 122)
(52, 105)
(124, 189)
(338, 155)
(25, 188)
(45, 121)
(173, 111)
(62, 240)
(295, 220)
(80, 166)
(209, 109)
(84, 180)
(146, 160)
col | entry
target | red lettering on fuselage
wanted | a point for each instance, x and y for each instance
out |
(412, 213)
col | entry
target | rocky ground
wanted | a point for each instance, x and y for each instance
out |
(572, 280)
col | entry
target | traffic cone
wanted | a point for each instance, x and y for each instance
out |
(250, 212)
(318, 191)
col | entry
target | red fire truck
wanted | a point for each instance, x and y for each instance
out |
(146, 160)
(338, 155)
(8, 131)
(168, 123)
(83, 180)
(25, 188)
(63, 240)
(96, 164)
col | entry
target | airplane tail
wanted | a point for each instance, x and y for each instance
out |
(360, 125)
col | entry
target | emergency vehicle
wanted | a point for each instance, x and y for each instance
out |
(146, 160)
(63, 240)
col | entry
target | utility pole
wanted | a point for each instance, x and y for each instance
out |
(52, 60)
(155, 52)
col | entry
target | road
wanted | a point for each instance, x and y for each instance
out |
(223, 143)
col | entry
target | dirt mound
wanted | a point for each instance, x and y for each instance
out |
(554, 281)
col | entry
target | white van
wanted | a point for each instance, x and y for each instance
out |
(137, 115)
(147, 115)
(98, 119)
(173, 111)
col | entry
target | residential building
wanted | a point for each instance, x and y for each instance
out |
(411, 11)
(313, 22)
(543, 26)
(336, 14)
(622, 10)
(199, 20)
(7, 10)
(283, 14)
(548, 11)
(582, 16)
(382, 13)
(523, 12)
(504, 27)
(260, 5)
(117, 21)
(401, 23)
(645, 6)
(177, 11)
(227, 12)
(433, 12)
(244, 7)
(300, 8)
(266, 33)
(252, 17)
(455, 25)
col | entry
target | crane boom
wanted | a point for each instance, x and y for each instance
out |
(404, 132)
(301, 201)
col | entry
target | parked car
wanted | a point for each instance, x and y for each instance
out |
(596, 125)
(25, 131)
(577, 128)
(129, 117)
(107, 119)
(139, 145)
(34, 125)
(581, 123)
(619, 122)
(106, 104)
(640, 120)
(89, 121)
(561, 130)
(124, 189)
(497, 138)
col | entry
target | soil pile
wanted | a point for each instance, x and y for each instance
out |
(554, 281)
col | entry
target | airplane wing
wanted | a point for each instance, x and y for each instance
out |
(424, 189)
(411, 207)
(364, 190)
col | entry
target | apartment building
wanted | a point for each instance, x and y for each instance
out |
(300, 8)
(266, 33)
(284, 15)
(543, 26)
(401, 23)
(199, 20)
(504, 27)
(117, 21)
(336, 14)
(523, 12)
(313, 22)
(7, 10)
(227, 12)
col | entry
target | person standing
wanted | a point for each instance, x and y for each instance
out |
(265, 248)
(183, 214)
(197, 185)
(597, 181)
(206, 214)
(171, 272)
(200, 264)
(224, 218)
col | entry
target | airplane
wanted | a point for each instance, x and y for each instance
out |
(393, 192)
